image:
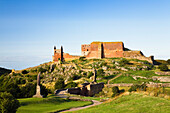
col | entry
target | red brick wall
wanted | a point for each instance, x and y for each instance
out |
(111, 49)
(85, 47)
(56, 56)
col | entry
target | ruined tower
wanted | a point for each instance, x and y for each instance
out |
(58, 54)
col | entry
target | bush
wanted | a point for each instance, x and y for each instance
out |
(163, 67)
(138, 87)
(24, 72)
(109, 92)
(82, 58)
(12, 88)
(28, 90)
(115, 91)
(76, 77)
(44, 90)
(60, 83)
(89, 74)
(100, 72)
(8, 104)
(71, 84)
(124, 61)
(40, 69)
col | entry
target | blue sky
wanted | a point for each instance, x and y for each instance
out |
(30, 28)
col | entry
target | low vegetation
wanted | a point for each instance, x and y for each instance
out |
(62, 75)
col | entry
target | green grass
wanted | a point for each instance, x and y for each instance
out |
(147, 74)
(134, 103)
(124, 79)
(50, 104)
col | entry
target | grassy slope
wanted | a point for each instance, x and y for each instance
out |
(50, 104)
(3, 70)
(134, 103)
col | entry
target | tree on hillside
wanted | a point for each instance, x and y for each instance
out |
(60, 83)
(11, 87)
(8, 104)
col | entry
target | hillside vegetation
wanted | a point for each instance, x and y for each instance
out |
(109, 71)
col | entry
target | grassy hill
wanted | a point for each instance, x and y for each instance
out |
(109, 71)
(49, 104)
(3, 71)
(133, 103)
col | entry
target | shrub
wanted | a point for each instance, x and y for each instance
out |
(124, 61)
(138, 87)
(89, 74)
(76, 77)
(115, 91)
(12, 88)
(71, 84)
(82, 58)
(8, 104)
(163, 67)
(109, 92)
(100, 72)
(44, 90)
(59, 84)
(40, 69)
(28, 90)
(24, 72)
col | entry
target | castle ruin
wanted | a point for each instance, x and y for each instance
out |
(102, 50)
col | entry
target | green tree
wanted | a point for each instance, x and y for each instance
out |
(8, 104)
(24, 72)
(11, 87)
(60, 83)
(28, 90)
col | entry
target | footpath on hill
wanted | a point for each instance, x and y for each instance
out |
(95, 102)
(114, 78)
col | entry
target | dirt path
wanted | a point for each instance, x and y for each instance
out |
(79, 108)
(114, 78)
(95, 102)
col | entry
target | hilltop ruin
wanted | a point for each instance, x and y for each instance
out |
(102, 50)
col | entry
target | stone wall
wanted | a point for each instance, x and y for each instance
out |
(59, 54)
(102, 49)
(151, 84)
(89, 90)
(163, 73)
(94, 88)
(137, 55)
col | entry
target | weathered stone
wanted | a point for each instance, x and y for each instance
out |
(162, 78)
(104, 67)
(38, 89)
(163, 73)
